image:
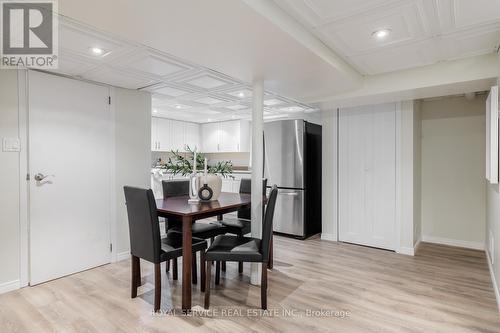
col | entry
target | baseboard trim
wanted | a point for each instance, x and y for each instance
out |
(454, 242)
(329, 237)
(123, 256)
(493, 280)
(409, 251)
(9, 286)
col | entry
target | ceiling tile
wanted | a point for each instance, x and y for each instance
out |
(468, 13)
(117, 78)
(156, 65)
(209, 100)
(171, 91)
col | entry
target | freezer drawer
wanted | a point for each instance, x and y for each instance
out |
(289, 212)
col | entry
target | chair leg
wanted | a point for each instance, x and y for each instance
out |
(167, 266)
(157, 287)
(217, 272)
(271, 255)
(263, 287)
(138, 272)
(174, 269)
(240, 267)
(133, 284)
(194, 270)
(203, 270)
(223, 266)
(207, 284)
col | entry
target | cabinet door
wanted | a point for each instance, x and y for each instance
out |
(192, 135)
(210, 137)
(154, 134)
(164, 134)
(230, 136)
(177, 135)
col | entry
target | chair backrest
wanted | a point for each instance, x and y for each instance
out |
(175, 188)
(246, 187)
(267, 225)
(144, 228)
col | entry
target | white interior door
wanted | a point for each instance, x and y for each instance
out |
(367, 176)
(70, 142)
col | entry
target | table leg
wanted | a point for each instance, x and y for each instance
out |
(187, 258)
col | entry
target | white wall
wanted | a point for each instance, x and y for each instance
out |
(132, 111)
(453, 164)
(493, 226)
(9, 180)
(329, 175)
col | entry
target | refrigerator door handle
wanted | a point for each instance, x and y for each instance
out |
(294, 194)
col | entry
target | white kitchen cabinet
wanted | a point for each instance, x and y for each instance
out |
(154, 134)
(227, 185)
(226, 137)
(192, 133)
(168, 135)
(164, 134)
(210, 137)
(177, 133)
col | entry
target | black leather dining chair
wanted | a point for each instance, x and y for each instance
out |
(241, 225)
(146, 243)
(176, 188)
(246, 249)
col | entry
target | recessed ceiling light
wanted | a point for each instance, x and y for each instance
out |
(241, 94)
(381, 34)
(97, 51)
(155, 111)
(178, 106)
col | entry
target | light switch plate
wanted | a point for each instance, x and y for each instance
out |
(11, 145)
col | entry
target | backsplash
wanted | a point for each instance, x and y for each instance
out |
(240, 160)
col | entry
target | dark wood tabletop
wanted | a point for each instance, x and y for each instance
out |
(179, 206)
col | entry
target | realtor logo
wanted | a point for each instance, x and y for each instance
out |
(29, 34)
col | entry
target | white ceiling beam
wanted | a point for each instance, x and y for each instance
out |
(284, 21)
(445, 78)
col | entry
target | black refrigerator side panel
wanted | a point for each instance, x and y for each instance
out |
(312, 171)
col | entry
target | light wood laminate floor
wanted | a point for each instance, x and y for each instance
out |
(441, 289)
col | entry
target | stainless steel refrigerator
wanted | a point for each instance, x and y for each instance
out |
(292, 161)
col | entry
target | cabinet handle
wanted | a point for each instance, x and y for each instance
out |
(238, 147)
(159, 145)
(218, 147)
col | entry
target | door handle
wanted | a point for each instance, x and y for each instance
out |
(292, 194)
(39, 177)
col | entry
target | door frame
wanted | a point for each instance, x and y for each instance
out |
(24, 174)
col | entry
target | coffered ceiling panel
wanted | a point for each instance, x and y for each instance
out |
(469, 13)
(113, 76)
(420, 32)
(180, 89)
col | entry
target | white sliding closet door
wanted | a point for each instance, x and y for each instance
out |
(367, 175)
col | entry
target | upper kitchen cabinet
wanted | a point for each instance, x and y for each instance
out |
(226, 137)
(210, 137)
(167, 135)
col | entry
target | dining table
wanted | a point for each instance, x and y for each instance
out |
(180, 208)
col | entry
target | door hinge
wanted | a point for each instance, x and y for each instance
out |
(109, 100)
(110, 247)
(27, 177)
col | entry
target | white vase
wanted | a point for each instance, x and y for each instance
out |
(214, 182)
